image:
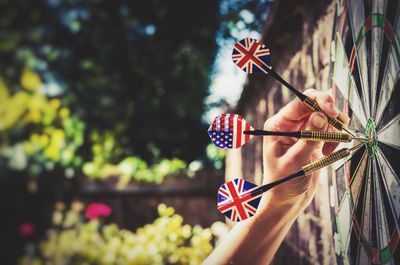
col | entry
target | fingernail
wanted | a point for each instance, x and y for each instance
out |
(343, 117)
(334, 111)
(318, 121)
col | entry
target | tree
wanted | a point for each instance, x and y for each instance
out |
(138, 69)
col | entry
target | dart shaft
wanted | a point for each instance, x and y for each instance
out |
(307, 135)
(325, 161)
(306, 170)
(333, 121)
(269, 186)
(326, 136)
(296, 134)
(338, 124)
(278, 78)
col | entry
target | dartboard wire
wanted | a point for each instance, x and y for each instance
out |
(381, 110)
(362, 62)
(393, 54)
(381, 229)
(392, 233)
(383, 239)
(344, 244)
(382, 161)
(372, 23)
(363, 162)
(377, 34)
(395, 234)
(362, 90)
(339, 228)
(376, 252)
(378, 21)
(384, 100)
(390, 133)
(355, 101)
(364, 180)
(355, 225)
(343, 162)
(362, 172)
(387, 34)
(359, 226)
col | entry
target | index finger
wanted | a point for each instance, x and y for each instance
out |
(289, 116)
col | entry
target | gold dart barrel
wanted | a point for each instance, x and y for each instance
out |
(338, 124)
(326, 136)
(325, 161)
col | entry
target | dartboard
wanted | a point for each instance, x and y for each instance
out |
(365, 189)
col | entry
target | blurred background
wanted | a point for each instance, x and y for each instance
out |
(104, 108)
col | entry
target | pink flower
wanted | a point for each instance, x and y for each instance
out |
(96, 210)
(27, 229)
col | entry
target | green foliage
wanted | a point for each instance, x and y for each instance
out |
(138, 67)
(39, 134)
(104, 149)
(166, 241)
(215, 155)
(114, 86)
(238, 16)
(134, 73)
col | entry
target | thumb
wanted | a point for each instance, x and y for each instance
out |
(301, 151)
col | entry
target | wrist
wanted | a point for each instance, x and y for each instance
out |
(294, 195)
(284, 211)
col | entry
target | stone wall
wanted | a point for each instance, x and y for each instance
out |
(299, 35)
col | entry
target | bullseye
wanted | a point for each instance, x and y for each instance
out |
(370, 133)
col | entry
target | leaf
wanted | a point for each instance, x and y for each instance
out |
(30, 80)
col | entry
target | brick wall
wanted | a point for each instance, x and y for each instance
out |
(299, 35)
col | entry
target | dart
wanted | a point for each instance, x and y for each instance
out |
(253, 57)
(238, 199)
(232, 131)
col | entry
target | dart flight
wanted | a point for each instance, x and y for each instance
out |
(231, 131)
(227, 131)
(253, 57)
(239, 199)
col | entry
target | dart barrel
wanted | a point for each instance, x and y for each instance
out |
(325, 161)
(326, 136)
(338, 124)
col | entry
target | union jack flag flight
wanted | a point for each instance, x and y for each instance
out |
(251, 56)
(226, 131)
(235, 200)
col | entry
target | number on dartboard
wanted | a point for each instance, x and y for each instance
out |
(365, 190)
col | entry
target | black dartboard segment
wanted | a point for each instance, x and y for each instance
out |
(365, 189)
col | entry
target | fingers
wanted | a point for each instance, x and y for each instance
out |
(274, 124)
(293, 116)
(330, 147)
(326, 103)
(343, 118)
(289, 116)
(299, 154)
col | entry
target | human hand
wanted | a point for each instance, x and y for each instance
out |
(283, 155)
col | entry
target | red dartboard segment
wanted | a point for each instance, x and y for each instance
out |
(366, 189)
